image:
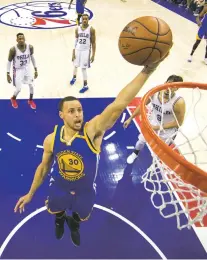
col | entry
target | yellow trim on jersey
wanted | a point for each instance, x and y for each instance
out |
(197, 37)
(84, 219)
(81, 136)
(53, 140)
(93, 149)
(51, 212)
(71, 140)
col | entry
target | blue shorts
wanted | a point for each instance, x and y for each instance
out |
(202, 33)
(61, 200)
(80, 6)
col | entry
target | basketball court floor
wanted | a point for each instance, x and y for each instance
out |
(124, 224)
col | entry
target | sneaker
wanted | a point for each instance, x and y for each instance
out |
(14, 103)
(72, 82)
(84, 89)
(131, 158)
(32, 104)
(190, 58)
(74, 227)
(59, 227)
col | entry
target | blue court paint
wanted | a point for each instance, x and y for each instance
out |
(103, 236)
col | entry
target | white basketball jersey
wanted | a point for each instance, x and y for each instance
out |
(22, 59)
(84, 39)
(162, 112)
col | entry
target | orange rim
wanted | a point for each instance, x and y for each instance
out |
(176, 162)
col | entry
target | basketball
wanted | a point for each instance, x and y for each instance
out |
(145, 40)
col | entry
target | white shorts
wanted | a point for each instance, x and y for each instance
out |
(82, 59)
(167, 135)
(22, 76)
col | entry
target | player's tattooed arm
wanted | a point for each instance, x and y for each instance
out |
(12, 53)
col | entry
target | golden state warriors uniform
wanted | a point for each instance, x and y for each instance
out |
(80, 6)
(202, 32)
(73, 174)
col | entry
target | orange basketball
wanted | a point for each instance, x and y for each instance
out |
(145, 40)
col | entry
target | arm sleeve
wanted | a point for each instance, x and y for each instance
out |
(8, 66)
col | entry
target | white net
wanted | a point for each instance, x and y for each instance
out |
(169, 193)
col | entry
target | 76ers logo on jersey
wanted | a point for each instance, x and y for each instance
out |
(40, 15)
(70, 165)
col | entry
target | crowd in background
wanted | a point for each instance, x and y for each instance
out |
(195, 6)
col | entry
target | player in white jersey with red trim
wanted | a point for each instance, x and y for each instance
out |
(21, 55)
(165, 106)
(85, 38)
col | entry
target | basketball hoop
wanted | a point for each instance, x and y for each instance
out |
(178, 184)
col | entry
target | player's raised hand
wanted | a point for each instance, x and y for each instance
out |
(9, 78)
(127, 122)
(22, 202)
(153, 66)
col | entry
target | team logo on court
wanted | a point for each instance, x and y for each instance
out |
(40, 15)
(70, 165)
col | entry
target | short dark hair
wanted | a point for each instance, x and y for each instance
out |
(20, 34)
(85, 15)
(175, 78)
(65, 99)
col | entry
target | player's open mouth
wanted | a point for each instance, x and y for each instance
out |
(78, 123)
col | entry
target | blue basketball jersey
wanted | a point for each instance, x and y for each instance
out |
(202, 32)
(76, 164)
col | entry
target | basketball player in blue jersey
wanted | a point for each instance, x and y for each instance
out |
(202, 33)
(80, 5)
(74, 149)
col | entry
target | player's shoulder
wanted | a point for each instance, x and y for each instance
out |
(12, 49)
(180, 102)
(49, 139)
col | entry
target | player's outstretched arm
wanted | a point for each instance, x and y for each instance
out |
(40, 174)
(109, 116)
